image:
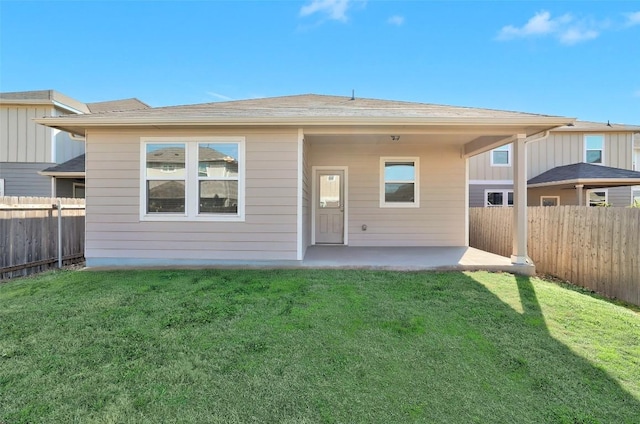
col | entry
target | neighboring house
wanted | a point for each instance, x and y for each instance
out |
(586, 163)
(40, 161)
(258, 181)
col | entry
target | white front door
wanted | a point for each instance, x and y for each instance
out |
(329, 204)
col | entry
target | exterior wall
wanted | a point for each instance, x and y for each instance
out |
(440, 219)
(306, 196)
(561, 148)
(22, 179)
(64, 186)
(476, 193)
(620, 196)
(21, 139)
(116, 236)
(65, 148)
(567, 196)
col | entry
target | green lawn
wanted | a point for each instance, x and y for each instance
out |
(307, 346)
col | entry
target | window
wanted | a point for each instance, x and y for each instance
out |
(501, 156)
(193, 178)
(498, 198)
(78, 190)
(594, 149)
(549, 200)
(597, 197)
(399, 182)
(1, 187)
(635, 196)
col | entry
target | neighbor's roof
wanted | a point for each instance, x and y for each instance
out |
(71, 168)
(43, 97)
(592, 176)
(586, 126)
(307, 109)
(117, 105)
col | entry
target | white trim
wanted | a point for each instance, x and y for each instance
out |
(314, 194)
(466, 202)
(506, 147)
(416, 182)
(584, 148)
(300, 195)
(505, 197)
(191, 179)
(491, 182)
(611, 182)
(587, 197)
(557, 198)
(1, 187)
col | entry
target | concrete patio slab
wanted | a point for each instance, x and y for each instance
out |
(410, 259)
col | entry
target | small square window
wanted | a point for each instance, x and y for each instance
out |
(501, 156)
(399, 182)
(498, 198)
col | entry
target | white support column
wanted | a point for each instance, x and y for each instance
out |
(519, 255)
(579, 188)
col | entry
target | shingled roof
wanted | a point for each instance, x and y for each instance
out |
(117, 105)
(588, 126)
(592, 176)
(73, 168)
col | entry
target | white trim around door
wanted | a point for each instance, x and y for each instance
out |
(315, 194)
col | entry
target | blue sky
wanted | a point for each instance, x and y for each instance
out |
(571, 58)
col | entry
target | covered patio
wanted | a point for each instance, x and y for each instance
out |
(410, 259)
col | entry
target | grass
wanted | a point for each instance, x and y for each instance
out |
(308, 346)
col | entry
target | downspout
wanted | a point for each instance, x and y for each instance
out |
(76, 137)
(543, 137)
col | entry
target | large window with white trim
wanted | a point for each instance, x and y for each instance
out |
(501, 156)
(500, 198)
(594, 149)
(400, 182)
(193, 178)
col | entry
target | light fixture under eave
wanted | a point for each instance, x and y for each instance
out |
(395, 138)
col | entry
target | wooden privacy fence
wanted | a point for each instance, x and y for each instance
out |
(37, 233)
(596, 248)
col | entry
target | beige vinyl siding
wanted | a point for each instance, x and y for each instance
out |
(440, 219)
(114, 230)
(567, 196)
(480, 169)
(21, 139)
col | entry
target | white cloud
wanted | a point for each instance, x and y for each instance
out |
(633, 18)
(566, 28)
(218, 96)
(572, 36)
(333, 9)
(396, 20)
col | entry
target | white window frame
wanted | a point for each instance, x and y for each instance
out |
(192, 180)
(1, 187)
(557, 199)
(507, 148)
(588, 197)
(505, 197)
(602, 149)
(415, 181)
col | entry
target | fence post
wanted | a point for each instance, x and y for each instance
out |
(59, 205)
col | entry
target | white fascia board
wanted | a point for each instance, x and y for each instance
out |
(63, 174)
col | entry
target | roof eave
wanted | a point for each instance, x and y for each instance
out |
(612, 182)
(72, 122)
(63, 174)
